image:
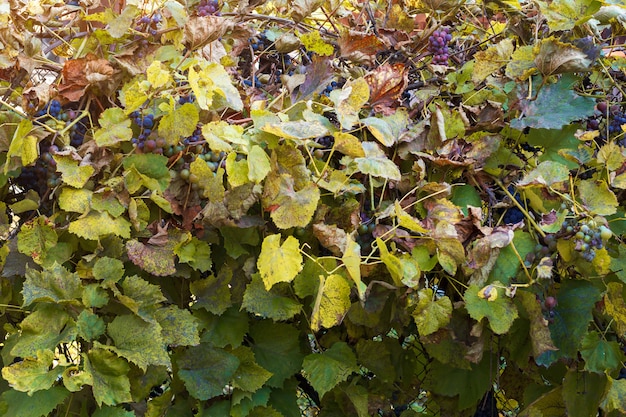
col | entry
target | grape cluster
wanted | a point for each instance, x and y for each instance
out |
(208, 8)
(149, 24)
(513, 215)
(42, 175)
(143, 142)
(438, 46)
(588, 237)
(608, 120)
(330, 87)
(260, 42)
(52, 109)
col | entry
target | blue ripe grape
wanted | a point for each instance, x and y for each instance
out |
(208, 8)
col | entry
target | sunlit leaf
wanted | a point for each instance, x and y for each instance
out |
(114, 128)
(109, 376)
(500, 312)
(597, 196)
(492, 59)
(32, 374)
(96, 225)
(55, 284)
(332, 303)
(178, 122)
(431, 313)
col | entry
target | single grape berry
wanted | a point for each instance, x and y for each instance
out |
(550, 302)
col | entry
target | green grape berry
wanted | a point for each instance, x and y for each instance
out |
(605, 233)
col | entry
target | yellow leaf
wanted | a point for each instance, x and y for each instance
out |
(157, 75)
(313, 42)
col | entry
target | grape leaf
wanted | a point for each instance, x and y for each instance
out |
(178, 326)
(291, 208)
(211, 82)
(313, 42)
(141, 297)
(296, 130)
(158, 76)
(23, 145)
(615, 398)
(615, 305)
(572, 315)
(114, 128)
(349, 100)
(95, 226)
(109, 376)
(149, 170)
(547, 173)
(206, 370)
(90, 326)
(258, 164)
(566, 14)
(109, 270)
(157, 260)
(277, 349)
(137, 341)
(213, 293)
(178, 122)
(500, 312)
(555, 106)
(332, 303)
(55, 284)
(431, 314)
(268, 303)
(224, 137)
(376, 164)
(229, 328)
(194, 252)
(36, 238)
(72, 173)
(327, 369)
(250, 376)
(352, 261)
(598, 197)
(492, 60)
(33, 374)
(577, 405)
(600, 355)
(279, 263)
(108, 411)
(44, 329)
(39, 404)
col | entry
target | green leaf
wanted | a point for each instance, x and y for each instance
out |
(178, 122)
(178, 326)
(598, 198)
(195, 253)
(118, 26)
(90, 326)
(206, 371)
(108, 269)
(469, 384)
(615, 304)
(32, 374)
(109, 376)
(576, 300)
(36, 238)
(555, 106)
(108, 411)
(39, 404)
(44, 329)
(250, 376)
(500, 312)
(279, 263)
(72, 172)
(229, 328)
(213, 293)
(375, 356)
(138, 341)
(96, 225)
(554, 142)
(94, 296)
(141, 297)
(149, 170)
(600, 356)
(327, 369)
(243, 402)
(276, 348)
(268, 303)
(55, 284)
(507, 265)
(114, 128)
(332, 304)
(577, 405)
(431, 313)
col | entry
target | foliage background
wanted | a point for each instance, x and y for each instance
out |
(328, 215)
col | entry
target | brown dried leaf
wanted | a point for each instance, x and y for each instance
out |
(79, 74)
(387, 83)
(331, 237)
(201, 30)
(359, 48)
